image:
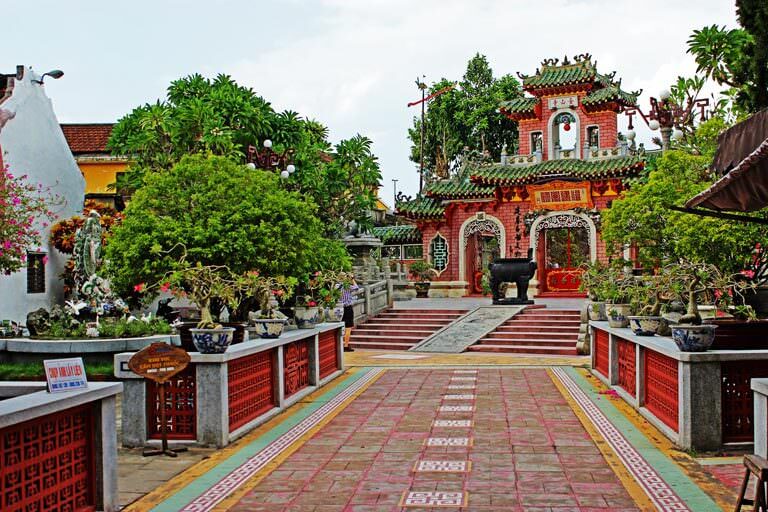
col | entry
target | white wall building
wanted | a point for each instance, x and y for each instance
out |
(32, 143)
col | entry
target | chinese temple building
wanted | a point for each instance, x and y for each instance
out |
(571, 162)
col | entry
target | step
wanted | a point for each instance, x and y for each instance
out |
(518, 349)
(379, 345)
(508, 341)
(374, 338)
(536, 318)
(533, 335)
(441, 311)
(358, 331)
(555, 329)
(565, 323)
(435, 316)
(388, 322)
(400, 327)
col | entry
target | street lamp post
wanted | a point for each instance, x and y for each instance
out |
(271, 160)
(668, 117)
(394, 193)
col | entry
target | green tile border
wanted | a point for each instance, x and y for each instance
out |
(688, 491)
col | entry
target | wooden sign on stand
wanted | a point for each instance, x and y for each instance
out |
(159, 362)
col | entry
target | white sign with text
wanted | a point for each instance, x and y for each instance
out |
(65, 374)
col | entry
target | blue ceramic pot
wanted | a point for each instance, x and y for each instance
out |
(269, 328)
(307, 317)
(212, 341)
(644, 325)
(693, 338)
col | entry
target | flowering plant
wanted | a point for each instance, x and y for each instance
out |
(323, 286)
(21, 205)
(263, 288)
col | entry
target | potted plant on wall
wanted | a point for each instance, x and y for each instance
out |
(649, 296)
(423, 272)
(268, 322)
(593, 282)
(618, 290)
(332, 284)
(307, 309)
(201, 284)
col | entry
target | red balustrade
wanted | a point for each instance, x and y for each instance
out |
(251, 387)
(296, 364)
(180, 406)
(627, 360)
(737, 399)
(661, 388)
(601, 351)
(47, 463)
(329, 355)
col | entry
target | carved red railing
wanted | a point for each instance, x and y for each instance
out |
(48, 463)
(737, 399)
(329, 355)
(251, 387)
(626, 352)
(180, 406)
(661, 388)
(601, 352)
(296, 362)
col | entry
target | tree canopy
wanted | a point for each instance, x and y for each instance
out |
(220, 117)
(465, 116)
(219, 213)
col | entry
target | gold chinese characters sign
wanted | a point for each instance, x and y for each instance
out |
(159, 362)
(560, 195)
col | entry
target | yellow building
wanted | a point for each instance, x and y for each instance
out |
(88, 143)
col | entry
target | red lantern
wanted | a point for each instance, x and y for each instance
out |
(567, 127)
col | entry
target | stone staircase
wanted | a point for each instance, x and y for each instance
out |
(400, 329)
(534, 331)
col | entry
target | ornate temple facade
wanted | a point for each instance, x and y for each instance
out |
(570, 164)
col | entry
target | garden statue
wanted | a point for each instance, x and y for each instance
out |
(87, 251)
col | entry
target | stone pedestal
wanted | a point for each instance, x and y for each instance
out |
(360, 247)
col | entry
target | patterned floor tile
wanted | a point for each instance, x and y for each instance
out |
(448, 441)
(443, 466)
(434, 499)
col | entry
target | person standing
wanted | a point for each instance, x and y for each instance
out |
(347, 299)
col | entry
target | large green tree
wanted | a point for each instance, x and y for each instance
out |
(221, 213)
(220, 117)
(465, 117)
(737, 58)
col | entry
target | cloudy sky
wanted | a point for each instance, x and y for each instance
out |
(348, 63)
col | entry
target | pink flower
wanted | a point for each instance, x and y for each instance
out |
(45, 260)
(165, 287)
(139, 287)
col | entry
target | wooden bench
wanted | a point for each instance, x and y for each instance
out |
(757, 466)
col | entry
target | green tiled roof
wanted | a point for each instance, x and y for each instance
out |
(554, 75)
(407, 233)
(584, 169)
(453, 189)
(421, 208)
(610, 93)
(520, 105)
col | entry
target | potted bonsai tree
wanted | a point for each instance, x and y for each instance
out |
(332, 284)
(268, 322)
(423, 272)
(593, 282)
(201, 284)
(649, 295)
(617, 290)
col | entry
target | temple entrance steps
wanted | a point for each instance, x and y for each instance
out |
(534, 331)
(401, 329)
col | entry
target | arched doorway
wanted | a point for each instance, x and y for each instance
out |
(482, 239)
(564, 242)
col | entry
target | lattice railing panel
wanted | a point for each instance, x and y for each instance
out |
(738, 399)
(47, 464)
(661, 387)
(180, 403)
(296, 363)
(251, 387)
(601, 351)
(627, 360)
(329, 355)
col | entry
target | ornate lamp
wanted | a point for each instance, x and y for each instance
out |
(667, 116)
(271, 160)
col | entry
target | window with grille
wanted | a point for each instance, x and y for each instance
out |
(413, 252)
(438, 252)
(35, 273)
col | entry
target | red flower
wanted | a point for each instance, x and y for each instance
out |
(139, 287)
(164, 287)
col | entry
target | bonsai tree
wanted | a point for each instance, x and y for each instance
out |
(322, 287)
(422, 271)
(264, 288)
(593, 280)
(202, 283)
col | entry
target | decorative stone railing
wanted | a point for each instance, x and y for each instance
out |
(220, 397)
(700, 400)
(593, 153)
(371, 299)
(28, 350)
(521, 160)
(58, 451)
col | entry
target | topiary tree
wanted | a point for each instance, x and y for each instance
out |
(222, 213)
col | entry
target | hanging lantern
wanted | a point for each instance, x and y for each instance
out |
(567, 126)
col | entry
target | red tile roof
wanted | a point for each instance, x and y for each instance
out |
(87, 137)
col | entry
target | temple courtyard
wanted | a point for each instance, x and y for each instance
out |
(402, 430)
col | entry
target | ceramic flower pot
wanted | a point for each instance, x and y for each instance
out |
(644, 325)
(335, 314)
(597, 311)
(307, 317)
(693, 338)
(269, 328)
(422, 289)
(617, 315)
(212, 341)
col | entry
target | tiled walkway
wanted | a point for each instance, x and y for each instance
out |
(461, 438)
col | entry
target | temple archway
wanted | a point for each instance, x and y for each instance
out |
(562, 242)
(481, 240)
